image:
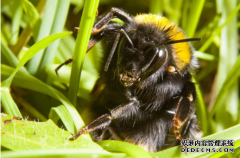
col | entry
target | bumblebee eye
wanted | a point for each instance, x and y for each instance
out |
(158, 58)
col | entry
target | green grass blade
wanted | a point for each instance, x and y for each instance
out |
(8, 103)
(132, 150)
(193, 17)
(204, 56)
(69, 43)
(17, 17)
(32, 20)
(44, 31)
(202, 74)
(201, 108)
(37, 85)
(29, 108)
(229, 81)
(61, 112)
(227, 58)
(87, 20)
(184, 18)
(175, 13)
(156, 7)
(218, 29)
(87, 79)
(64, 51)
(12, 59)
(31, 12)
(5, 31)
(34, 50)
(58, 25)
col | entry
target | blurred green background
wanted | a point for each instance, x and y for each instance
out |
(36, 92)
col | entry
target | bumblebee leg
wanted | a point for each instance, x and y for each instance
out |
(94, 40)
(104, 120)
(99, 123)
(187, 128)
(115, 12)
(181, 115)
(192, 129)
(65, 63)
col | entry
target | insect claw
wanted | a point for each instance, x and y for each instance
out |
(56, 71)
(72, 137)
(76, 29)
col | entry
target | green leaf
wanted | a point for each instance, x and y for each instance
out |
(31, 12)
(24, 135)
(62, 153)
(132, 150)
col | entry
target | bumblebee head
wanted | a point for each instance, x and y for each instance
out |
(152, 45)
(141, 54)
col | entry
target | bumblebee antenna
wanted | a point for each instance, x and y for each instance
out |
(184, 40)
(115, 46)
(128, 38)
(112, 52)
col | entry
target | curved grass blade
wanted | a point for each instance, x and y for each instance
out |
(31, 12)
(35, 84)
(32, 51)
(12, 59)
(28, 55)
(8, 103)
(62, 113)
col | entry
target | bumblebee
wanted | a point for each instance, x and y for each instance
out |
(144, 94)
